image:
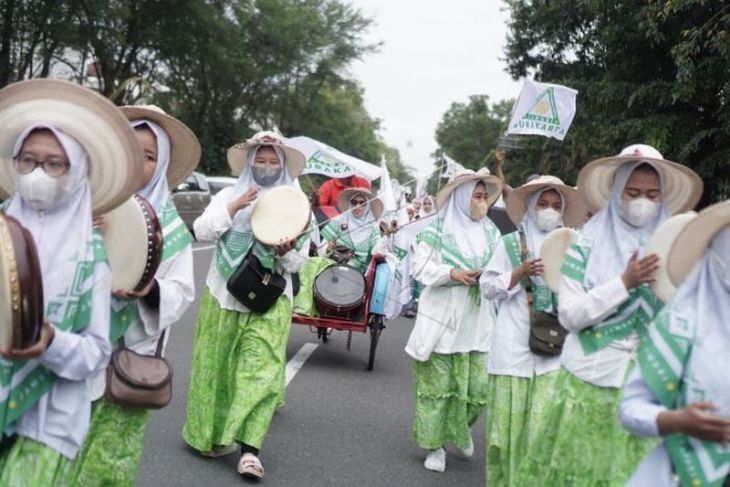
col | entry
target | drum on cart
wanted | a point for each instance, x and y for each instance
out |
(339, 292)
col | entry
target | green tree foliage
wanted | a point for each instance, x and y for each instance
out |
(653, 72)
(227, 68)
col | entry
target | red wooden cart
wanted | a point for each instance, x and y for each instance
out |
(373, 322)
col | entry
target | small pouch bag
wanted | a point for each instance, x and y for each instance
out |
(255, 286)
(139, 381)
(547, 335)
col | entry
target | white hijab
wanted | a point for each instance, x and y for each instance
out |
(156, 190)
(422, 213)
(614, 239)
(468, 233)
(242, 220)
(62, 233)
(359, 229)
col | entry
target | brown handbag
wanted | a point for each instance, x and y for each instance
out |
(547, 335)
(139, 381)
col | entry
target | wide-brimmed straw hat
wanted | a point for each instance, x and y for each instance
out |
(115, 159)
(184, 145)
(493, 183)
(344, 198)
(238, 154)
(681, 190)
(691, 243)
(574, 210)
(661, 243)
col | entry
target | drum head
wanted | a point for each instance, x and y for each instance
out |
(133, 241)
(280, 215)
(21, 286)
(552, 253)
(340, 286)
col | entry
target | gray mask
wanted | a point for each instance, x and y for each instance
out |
(266, 175)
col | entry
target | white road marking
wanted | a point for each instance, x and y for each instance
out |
(206, 247)
(297, 361)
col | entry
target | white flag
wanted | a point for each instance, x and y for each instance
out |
(451, 167)
(543, 109)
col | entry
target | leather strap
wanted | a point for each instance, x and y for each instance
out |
(526, 281)
(158, 350)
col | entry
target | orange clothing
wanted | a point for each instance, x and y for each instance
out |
(331, 189)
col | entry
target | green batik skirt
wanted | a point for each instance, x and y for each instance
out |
(580, 440)
(450, 394)
(113, 447)
(304, 300)
(28, 463)
(237, 377)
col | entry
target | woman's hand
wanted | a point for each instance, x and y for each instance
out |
(284, 247)
(130, 295)
(640, 271)
(237, 204)
(696, 420)
(36, 350)
(99, 222)
(392, 229)
(530, 267)
(467, 278)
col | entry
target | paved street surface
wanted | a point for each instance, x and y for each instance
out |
(341, 424)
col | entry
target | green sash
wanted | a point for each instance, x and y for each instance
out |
(175, 237)
(23, 383)
(542, 298)
(633, 315)
(362, 250)
(663, 359)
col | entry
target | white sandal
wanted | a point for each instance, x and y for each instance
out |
(436, 460)
(250, 466)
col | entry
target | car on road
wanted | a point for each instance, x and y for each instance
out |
(191, 197)
(216, 183)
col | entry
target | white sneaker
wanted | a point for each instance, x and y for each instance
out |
(467, 452)
(436, 460)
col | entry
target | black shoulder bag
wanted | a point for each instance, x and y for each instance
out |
(547, 335)
(255, 286)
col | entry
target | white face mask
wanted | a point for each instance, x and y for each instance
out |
(40, 191)
(266, 175)
(478, 210)
(639, 211)
(548, 219)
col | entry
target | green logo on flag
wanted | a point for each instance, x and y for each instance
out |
(544, 109)
(322, 163)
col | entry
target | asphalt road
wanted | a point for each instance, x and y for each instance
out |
(341, 425)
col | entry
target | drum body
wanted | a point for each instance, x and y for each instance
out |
(339, 292)
(133, 241)
(21, 286)
(280, 215)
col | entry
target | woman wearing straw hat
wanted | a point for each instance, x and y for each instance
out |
(520, 381)
(450, 338)
(681, 389)
(113, 448)
(65, 152)
(239, 356)
(606, 304)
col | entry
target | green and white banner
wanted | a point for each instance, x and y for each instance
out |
(543, 109)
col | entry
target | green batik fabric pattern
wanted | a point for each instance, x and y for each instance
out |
(507, 418)
(113, 448)
(542, 298)
(304, 300)
(581, 441)
(237, 375)
(634, 315)
(362, 250)
(450, 394)
(175, 238)
(23, 383)
(541, 398)
(664, 359)
(28, 463)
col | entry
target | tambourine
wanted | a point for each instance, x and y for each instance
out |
(552, 253)
(280, 215)
(133, 241)
(21, 286)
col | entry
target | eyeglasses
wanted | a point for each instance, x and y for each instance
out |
(358, 202)
(53, 167)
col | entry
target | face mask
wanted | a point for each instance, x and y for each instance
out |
(41, 191)
(266, 175)
(639, 211)
(477, 211)
(548, 219)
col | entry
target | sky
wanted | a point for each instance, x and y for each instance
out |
(434, 53)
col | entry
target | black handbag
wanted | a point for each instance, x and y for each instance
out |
(255, 286)
(547, 335)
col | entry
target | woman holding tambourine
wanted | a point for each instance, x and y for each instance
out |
(239, 355)
(65, 151)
